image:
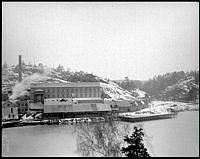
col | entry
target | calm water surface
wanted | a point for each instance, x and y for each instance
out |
(168, 137)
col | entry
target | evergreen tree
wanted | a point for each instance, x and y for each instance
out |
(136, 147)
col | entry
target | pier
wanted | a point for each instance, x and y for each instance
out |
(6, 124)
(146, 117)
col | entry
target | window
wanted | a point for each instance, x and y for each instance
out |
(8, 115)
(11, 110)
(8, 105)
(13, 115)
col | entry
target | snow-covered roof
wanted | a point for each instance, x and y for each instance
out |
(85, 107)
(72, 84)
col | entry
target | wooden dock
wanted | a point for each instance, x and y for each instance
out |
(7, 124)
(140, 118)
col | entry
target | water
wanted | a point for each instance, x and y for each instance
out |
(168, 137)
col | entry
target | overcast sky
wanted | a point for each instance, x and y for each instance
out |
(111, 40)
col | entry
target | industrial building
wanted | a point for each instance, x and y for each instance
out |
(75, 98)
(68, 90)
(67, 97)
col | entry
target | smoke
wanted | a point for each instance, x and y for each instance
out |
(20, 88)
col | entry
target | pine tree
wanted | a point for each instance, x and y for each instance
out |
(136, 147)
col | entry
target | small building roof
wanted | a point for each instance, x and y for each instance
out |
(123, 103)
(85, 107)
(103, 107)
(39, 90)
(9, 101)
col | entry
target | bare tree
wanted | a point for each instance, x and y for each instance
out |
(101, 139)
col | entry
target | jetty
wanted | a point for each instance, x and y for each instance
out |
(145, 117)
(12, 123)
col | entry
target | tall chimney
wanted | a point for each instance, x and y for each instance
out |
(20, 69)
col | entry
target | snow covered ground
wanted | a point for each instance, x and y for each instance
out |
(164, 107)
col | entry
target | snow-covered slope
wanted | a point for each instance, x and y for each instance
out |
(182, 89)
(185, 84)
(112, 90)
(115, 92)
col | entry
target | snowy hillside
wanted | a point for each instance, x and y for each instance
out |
(184, 88)
(115, 92)
(48, 75)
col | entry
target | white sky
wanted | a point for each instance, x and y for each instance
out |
(111, 40)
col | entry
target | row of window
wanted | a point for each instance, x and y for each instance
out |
(79, 95)
(11, 115)
(72, 90)
(19, 104)
(22, 104)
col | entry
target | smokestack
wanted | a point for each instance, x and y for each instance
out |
(20, 68)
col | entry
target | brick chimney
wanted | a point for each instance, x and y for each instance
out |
(20, 68)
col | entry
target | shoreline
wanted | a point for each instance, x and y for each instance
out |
(67, 121)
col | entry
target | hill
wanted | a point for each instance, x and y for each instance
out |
(185, 89)
(42, 73)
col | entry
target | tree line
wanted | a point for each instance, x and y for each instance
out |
(154, 86)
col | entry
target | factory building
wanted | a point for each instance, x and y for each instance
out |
(75, 98)
(80, 92)
(68, 90)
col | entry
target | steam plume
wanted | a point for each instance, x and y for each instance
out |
(20, 88)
